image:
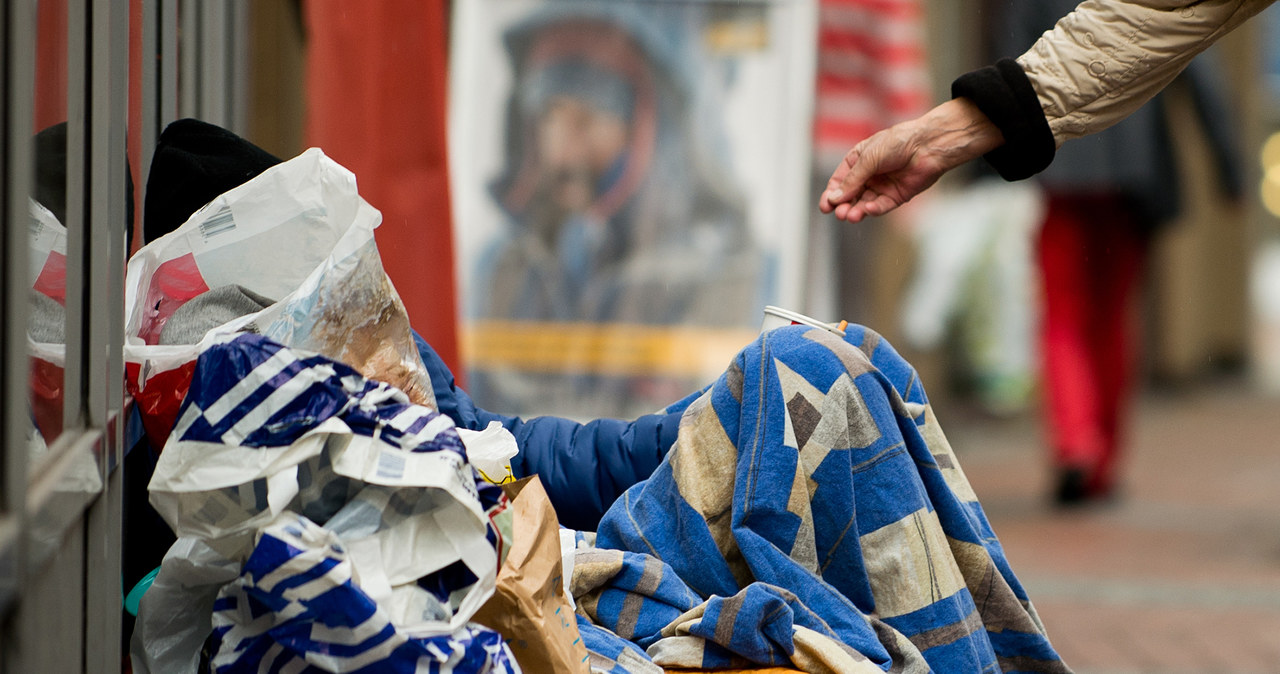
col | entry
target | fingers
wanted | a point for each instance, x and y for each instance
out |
(849, 178)
(861, 166)
(833, 196)
(870, 204)
(874, 156)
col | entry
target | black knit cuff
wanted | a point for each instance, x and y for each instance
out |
(1004, 94)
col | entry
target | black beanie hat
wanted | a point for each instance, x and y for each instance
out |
(193, 163)
(51, 177)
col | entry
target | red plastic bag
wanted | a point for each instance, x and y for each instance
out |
(48, 275)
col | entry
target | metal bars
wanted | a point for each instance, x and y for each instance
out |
(212, 61)
(60, 523)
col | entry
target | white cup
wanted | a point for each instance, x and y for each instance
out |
(776, 317)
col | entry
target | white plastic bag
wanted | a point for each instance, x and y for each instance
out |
(490, 451)
(175, 614)
(272, 440)
(299, 234)
(975, 270)
(303, 602)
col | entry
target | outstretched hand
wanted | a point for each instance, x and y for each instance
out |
(891, 167)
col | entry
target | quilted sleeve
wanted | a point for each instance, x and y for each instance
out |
(1108, 57)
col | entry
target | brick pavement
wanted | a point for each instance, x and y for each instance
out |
(1179, 575)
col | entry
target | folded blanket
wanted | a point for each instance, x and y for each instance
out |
(811, 514)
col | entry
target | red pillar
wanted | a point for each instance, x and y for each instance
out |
(376, 99)
(51, 64)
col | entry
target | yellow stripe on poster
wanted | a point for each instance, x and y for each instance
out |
(606, 349)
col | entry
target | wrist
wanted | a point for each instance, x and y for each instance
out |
(956, 132)
(1006, 97)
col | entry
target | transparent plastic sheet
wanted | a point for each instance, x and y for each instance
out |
(286, 459)
(298, 234)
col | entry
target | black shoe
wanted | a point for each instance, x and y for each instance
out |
(1072, 488)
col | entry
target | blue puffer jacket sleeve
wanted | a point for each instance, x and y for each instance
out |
(584, 467)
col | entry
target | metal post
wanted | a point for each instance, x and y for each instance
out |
(17, 89)
(168, 60)
(189, 55)
(149, 87)
(78, 196)
(238, 38)
(214, 57)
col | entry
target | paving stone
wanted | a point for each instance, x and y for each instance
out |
(1181, 574)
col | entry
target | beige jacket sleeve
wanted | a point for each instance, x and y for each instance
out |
(1108, 57)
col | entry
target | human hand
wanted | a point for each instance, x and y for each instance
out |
(891, 167)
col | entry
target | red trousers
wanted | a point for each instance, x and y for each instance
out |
(1091, 252)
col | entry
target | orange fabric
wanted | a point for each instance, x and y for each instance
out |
(376, 92)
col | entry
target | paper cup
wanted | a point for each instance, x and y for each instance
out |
(776, 317)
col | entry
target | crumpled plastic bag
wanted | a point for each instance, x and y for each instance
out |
(273, 442)
(490, 451)
(175, 614)
(298, 603)
(298, 233)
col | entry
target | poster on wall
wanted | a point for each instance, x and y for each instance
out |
(629, 185)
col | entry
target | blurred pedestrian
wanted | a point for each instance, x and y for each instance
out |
(1108, 194)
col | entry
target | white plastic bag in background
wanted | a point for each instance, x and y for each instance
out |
(975, 266)
(299, 234)
(47, 238)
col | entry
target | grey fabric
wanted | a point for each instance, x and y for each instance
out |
(207, 311)
(46, 320)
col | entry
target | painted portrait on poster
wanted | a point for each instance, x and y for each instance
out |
(621, 174)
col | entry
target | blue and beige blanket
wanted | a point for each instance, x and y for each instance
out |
(811, 515)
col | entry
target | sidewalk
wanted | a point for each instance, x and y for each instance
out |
(1182, 573)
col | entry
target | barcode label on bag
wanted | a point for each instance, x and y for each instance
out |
(219, 223)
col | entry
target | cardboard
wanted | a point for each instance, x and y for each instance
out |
(529, 607)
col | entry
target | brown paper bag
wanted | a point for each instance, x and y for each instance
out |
(528, 607)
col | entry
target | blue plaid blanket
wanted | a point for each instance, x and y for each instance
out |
(811, 514)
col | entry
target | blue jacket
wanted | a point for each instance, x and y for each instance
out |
(584, 467)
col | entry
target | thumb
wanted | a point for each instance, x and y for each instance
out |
(858, 167)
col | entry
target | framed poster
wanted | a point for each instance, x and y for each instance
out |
(630, 190)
